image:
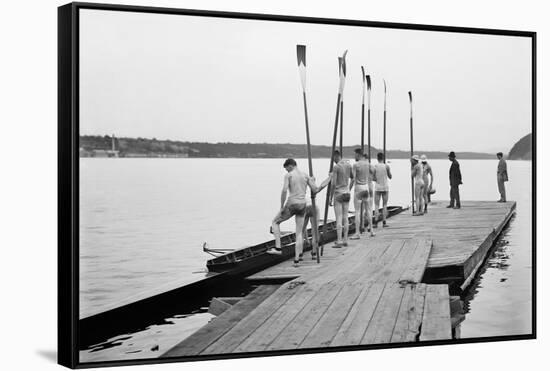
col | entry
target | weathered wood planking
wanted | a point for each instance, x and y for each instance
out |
(460, 238)
(358, 299)
(212, 331)
(437, 314)
(369, 292)
(236, 335)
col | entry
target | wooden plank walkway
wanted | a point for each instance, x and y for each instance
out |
(207, 334)
(369, 292)
(366, 295)
(460, 238)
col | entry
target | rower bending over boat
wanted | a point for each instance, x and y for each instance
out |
(362, 195)
(294, 186)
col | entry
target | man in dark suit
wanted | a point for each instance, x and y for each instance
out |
(502, 176)
(455, 178)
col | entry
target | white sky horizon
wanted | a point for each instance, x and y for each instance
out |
(200, 79)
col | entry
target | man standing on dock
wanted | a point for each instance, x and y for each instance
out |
(362, 195)
(340, 195)
(502, 176)
(295, 186)
(428, 181)
(455, 178)
(417, 173)
(381, 189)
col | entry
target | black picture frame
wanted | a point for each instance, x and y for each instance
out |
(68, 173)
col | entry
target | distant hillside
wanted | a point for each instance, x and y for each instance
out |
(523, 149)
(140, 147)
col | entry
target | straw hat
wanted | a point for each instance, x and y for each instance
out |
(416, 158)
(424, 158)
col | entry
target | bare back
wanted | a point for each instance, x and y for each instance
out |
(296, 183)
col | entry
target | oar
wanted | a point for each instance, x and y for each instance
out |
(412, 150)
(301, 54)
(384, 141)
(343, 67)
(342, 74)
(361, 226)
(368, 111)
(363, 111)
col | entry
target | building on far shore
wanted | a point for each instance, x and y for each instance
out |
(104, 153)
(113, 152)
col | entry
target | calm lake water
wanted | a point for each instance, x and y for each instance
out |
(143, 222)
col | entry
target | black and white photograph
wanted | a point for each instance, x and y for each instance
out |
(252, 186)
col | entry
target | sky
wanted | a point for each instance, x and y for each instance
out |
(207, 79)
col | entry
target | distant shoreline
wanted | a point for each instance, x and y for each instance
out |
(110, 146)
(280, 158)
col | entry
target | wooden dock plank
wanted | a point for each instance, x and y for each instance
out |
(296, 331)
(212, 331)
(232, 338)
(270, 329)
(325, 329)
(409, 319)
(436, 320)
(415, 270)
(354, 326)
(383, 321)
(393, 269)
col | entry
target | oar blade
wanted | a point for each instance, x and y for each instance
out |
(344, 63)
(301, 56)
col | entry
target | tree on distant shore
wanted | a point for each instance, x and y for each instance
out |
(523, 149)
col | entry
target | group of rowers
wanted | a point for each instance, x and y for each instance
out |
(370, 184)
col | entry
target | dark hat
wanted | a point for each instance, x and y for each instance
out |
(499, 154)
(452, 154)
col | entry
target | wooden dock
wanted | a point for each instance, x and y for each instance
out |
(370, 292)
(461, 240)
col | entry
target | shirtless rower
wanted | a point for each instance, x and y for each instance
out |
(295, 186)
(340, 195)
(417, 174)
(362, 195)
(382, 173)
(428, 177)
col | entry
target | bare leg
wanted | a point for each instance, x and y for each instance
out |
(368, 215)
(304, 228)
(376, 207)
(426, 198)
(345, 220)
(276, 229)
(357, 205)
(338, 214)
(421, 199)
(385, 207)
(299, 237)
(419, 196)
